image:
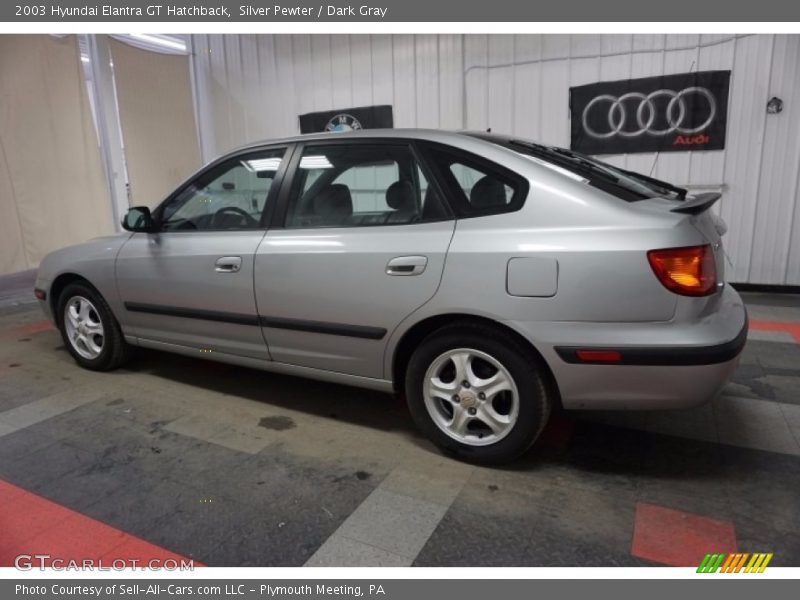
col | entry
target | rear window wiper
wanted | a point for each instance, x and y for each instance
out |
(679, 191)
(647, 180)
(585, 162)
(567, 160)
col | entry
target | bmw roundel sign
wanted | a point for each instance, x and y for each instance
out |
(343, 122)
(347, 119)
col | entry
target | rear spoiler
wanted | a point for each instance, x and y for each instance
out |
(698, 204)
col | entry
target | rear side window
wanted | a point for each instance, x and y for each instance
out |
(361, 185)
(475, 186)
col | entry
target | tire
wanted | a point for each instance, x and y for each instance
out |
(102, 351)
(518, 414)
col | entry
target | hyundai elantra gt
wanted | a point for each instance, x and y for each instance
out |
(488, 278)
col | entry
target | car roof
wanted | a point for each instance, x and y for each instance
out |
(436, 135)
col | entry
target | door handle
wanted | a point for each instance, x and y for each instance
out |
(406, 265)
(228, 264)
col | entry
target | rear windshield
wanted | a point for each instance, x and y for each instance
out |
(626, 185)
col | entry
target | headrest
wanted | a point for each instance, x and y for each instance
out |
(488, 193)
(400, 195)
(333, 203)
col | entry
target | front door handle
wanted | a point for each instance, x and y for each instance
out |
(228, 264)
(407, 265)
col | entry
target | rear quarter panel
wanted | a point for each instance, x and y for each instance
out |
(598, 242)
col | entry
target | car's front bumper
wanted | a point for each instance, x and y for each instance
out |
(660, 365)
(43, 285)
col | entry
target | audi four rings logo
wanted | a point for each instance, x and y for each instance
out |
(640, 119)
(664, 113)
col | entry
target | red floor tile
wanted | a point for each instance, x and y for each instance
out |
(676, 538)
(792, 327)
(136, 552)
(28, 329)
(34, 525)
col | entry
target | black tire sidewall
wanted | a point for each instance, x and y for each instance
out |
(110, 328)
(525, 369)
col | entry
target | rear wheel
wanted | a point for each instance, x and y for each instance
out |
(478, 393)
(90, 332)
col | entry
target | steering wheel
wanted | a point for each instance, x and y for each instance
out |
(247, 217)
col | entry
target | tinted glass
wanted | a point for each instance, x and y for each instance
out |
(230, 196)
(361, 185)
(476, 186)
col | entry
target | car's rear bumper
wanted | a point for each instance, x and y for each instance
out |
(655, 356)
(672, 364)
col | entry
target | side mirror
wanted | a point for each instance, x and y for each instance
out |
(138, 219)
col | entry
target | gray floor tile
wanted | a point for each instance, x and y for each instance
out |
(250, 440)
(398, 524)
(339, 551)
(770, 336)
(791, 412)
(197, 426)
(753, 424)
(785, 388)
(51, 406)
(434, 480)
(694, 423)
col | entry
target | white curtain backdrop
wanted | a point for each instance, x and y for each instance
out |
(156, 111)
(52, 187)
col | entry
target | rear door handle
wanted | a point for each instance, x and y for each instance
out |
(228, 264)
(407, 265)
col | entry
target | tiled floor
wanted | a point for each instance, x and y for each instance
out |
(237, 467)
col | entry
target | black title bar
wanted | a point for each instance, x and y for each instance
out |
(260, 11)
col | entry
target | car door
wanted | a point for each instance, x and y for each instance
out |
(359, 243)
(191, 283)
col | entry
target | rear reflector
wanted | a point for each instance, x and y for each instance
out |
(689, 271)
(40, 294)
(598, 356)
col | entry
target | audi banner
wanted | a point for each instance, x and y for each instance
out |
(349, 119)
(670, 113)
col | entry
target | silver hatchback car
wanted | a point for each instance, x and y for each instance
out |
(488, 278)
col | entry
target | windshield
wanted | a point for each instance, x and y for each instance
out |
(627, 185)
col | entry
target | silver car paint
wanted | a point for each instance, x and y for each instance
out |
(339, 275)
(178, 269)
(606, 291)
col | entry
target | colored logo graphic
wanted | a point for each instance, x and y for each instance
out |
(735, 563)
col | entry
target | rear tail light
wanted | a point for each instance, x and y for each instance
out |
(689, 271)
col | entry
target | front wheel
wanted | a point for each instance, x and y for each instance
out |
(89, 330)
(478, 393)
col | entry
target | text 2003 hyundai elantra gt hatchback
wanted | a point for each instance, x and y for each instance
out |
(488, 278)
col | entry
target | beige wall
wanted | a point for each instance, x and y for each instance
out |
(156, 112)
(52, 187)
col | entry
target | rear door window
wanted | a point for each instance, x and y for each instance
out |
(475, 186)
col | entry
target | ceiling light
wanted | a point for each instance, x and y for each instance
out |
(262, 164)
(161, 40)
(315, 162)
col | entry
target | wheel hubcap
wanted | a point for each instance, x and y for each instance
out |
(84, 327)
(471, 397)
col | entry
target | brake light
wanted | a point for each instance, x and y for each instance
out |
(689, 271)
